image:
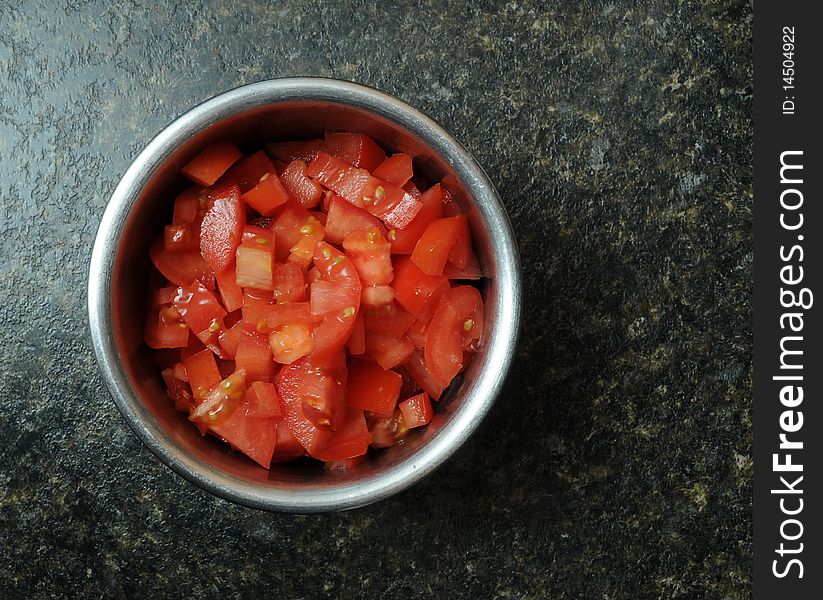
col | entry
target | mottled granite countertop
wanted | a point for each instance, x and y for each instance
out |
(616, 464)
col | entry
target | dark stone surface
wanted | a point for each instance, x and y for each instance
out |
(617, 462)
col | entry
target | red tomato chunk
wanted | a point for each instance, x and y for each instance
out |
(312, 298)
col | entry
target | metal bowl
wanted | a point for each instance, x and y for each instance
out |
(120, 268)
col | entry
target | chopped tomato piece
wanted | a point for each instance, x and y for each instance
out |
(388, 202)
(450, 206)
(433, 248)
(371, 255)
(223, 400)
(396, 169)
(372, 388)
(357, 341)
(258, 237)
(254, 355)
(203, 374)
(416, 334)
(387, 351)
(300, 186)
(180, 237)
(311, 232)
(262, 400)
(289, 284)
(345, 218)
(376, 296)
(394, 325)
(177, 390)
(416, 367)
(186, 206)
(302, 150)
(254, 267)
(290, 341)
(287, 229)
(248, 171)
(222, 228)
(416, 291)
(267, 195)
(230, 339)
(386, 431)
(336, 325)
(352, 439)
(199, 308)
(164, 326)
(417, 410)
(357, 149)
(457, 324)
(180, 268)
(255, 437)
(287, 446)
(461, 252)
(211, 163)
(471, 272)
(230, 292)
(431, 210)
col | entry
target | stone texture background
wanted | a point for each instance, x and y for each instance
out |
(617, 462)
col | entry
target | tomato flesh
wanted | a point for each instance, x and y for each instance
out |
(345, 218)
(267, 195)
(222, 228)
(372, 388)
(356, 149)
(435, 245)
(254, 355)
(387, 351)
(459, 315)
(417, 410)
(351, 440)
(415, 290)
(248, 171)
(262, 400)
(397, 169)
(211, 163)
(300, 186)
(371, 254)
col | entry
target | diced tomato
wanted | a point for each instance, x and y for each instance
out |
(312, 393)
(180, 268)
(386, 431)
(267, 195)
(290, 341)
(287, 229)
(336, 325)
(222, 228)
(396, 169)
(450, 206)
(230, 339)
(223, 400)
(431, 210)
(289, 283)
(186, 206)
(433, 248)
(371, 255)
(177, 390)
(199, 308)
(262, 400)
(394, 325)
(165, 327)
(345, 218)
(195, 346)
(412, 188)
(376, 296)
(179, 371)
(299, 185)
(211, 163)
(352, 439)
(357, 341)
(461, 253)
(287, 446)
(248, 171)
(357, 149)
(265, 317)
(258, 237)
(311, 232)
(253, 436)
(416, 291)
(471, 272)
(416, 334)
(457, 323)
(372, 388)
(203, 374)
(230, 292)
(303, 150)
(388, 202)
(254, 267)
(387, 351)
(180, 237)
(254, 355)
(417, 410)
(416, 367)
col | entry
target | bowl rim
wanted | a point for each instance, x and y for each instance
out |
(486, 386)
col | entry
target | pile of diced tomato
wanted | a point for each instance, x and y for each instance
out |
(315, 297)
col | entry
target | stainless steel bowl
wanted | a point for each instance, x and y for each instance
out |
(141, 203)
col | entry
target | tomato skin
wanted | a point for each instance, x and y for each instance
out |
(372, 388)
(350, 441)
(180, 268)
(254, 355)
(416, 291)
(345, 218)
(356, 149)
(417, 410)
(247, 171)
(433, 248)
(211, 163)
(300, 186)
(203, 374)
(387, 351)
(397, 169)
(416, 367)
(458, 307)
(267, 195)
(222, 228)
(431, 210)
